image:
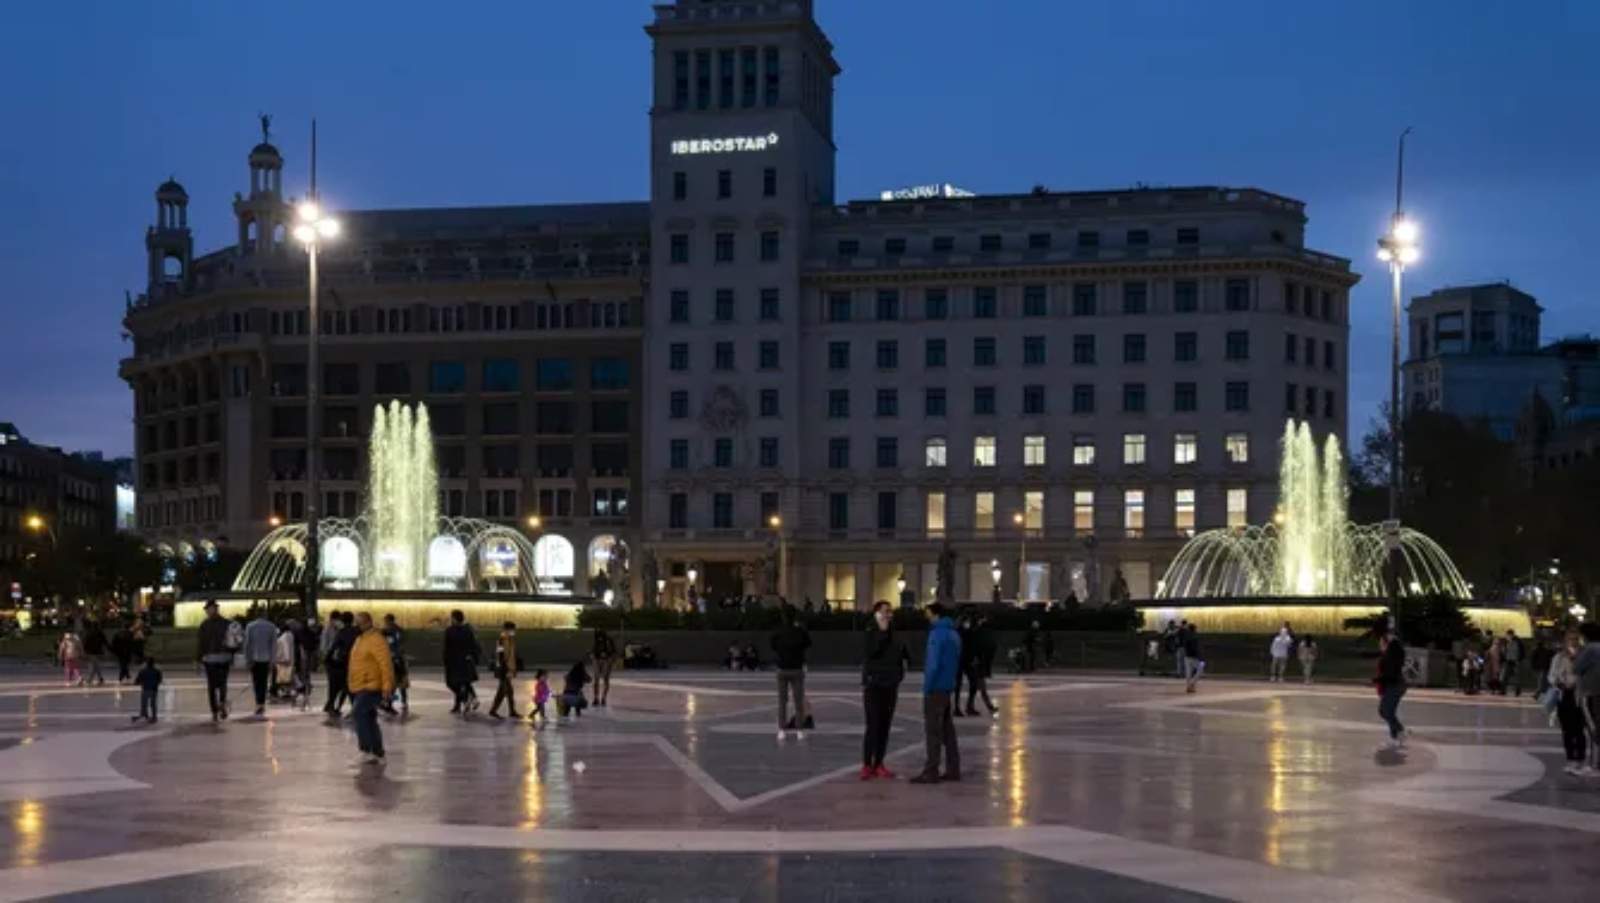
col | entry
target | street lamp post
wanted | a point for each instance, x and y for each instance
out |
(776, 523)
(994, 574)
(1022, 554)
(1398, 248)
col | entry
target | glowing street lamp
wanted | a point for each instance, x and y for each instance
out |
(1399, 249)
(534, 522)
(39, 525)
(274, 521)
(994, 574)
(1577, 611)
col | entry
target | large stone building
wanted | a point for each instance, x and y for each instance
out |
(829, 397)
(48, 498)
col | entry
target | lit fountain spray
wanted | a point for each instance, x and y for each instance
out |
(402, 505)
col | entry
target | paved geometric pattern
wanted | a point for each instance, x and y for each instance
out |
(1085, 787)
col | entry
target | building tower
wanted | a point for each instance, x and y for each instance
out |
(263, 216)
(741, 149)
(168, 243)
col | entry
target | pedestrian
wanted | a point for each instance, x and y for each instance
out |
(95, 647)
(70, 653)
(1308, 656)
(1587, 667)
(939, 666)
(966, 622)
(284, 651)
(1193, 663)
(541, 695)
(122, 648)
(1391, 683)
(980, 667)
(215, 658)
(883, 667)
(605, 656)
(571, 701)
(140, 634)
(1493, 669)
(149, 681)
(338, 662)
(790, 643)
(371, 682)
(461, 656)
(505, 671)
(1563, 680)
(1174, 640)
(1511, 676)
(260, 646)
(1279, 649)
(395, 638)
(1543, 656)
(1030, 646)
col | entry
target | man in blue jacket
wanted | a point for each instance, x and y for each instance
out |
(939, 669)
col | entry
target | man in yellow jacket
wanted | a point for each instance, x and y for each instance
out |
(371, 682)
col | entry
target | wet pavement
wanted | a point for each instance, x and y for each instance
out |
(1099, 788)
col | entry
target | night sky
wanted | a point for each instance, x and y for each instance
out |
(424, 104)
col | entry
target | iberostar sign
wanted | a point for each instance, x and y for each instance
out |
(730, 145)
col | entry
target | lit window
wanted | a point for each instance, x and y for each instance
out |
(1033, 451)
(1183, 511)
(934, 452)
(1133, 448)
(1238, 446)
(1083, 511)
(1184, 448)
(983, 511)
(983, 453)
(1238, 507)
(934, 515)
(1033, 509)
(1133, 512)
(1083, 451)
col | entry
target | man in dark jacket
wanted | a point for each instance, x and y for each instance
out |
(883, 666)
(94, 648)
(338, 662)
(790, 644)
(1391, 681)
(938, 683)
(461, 657)
(980, 664)
(122, 648)
(215, 657)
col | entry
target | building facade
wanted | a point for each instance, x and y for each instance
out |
(72, 496)
(824, 399)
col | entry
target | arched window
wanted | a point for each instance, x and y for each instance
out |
(601, 550)
(553, 564)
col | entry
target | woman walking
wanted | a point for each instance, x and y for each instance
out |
(1391, 682)
(70, 652)
(461, 655)
(505, 671)
(605, 655)
(1308, 656)
(883, 667)
(1563, 679)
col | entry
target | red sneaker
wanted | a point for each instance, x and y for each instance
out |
(868, 773)
(884, 773)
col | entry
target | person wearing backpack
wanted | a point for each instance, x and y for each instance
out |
(215, 656)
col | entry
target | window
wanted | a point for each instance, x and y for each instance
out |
(943, 244)
(894, 247)
(1185, 398)
(677, 510)
(1083, 398)
(1133, 447)
(1291, 292)
(767, 355)
(724, 183)
(722, 247)
(1133, 348)
(933, 452)
(983, 451)
(933, 353)
(768, 406)
(722, 453)
(500, 419)
(983, 510)
(678, 356)
(1033, 399)
(769, 305)
(769, 247)
(1038, 241)
(341, 379)
(888, 403)
(888, 451)
(1291, 393)
(1083, 299)
(1138, 238)
(678, 404)
(984, 302)
(838, 511)
(1237, 446)
(553, 374)
(1083, 451)
(888, 354)
(608, 416)
(680, 185)
(935, 304)
(1183, 511)
(769, 506)
(678, 247)
(1238, 507)
(609, 373)
(678, 306)
(1185, 347)
(1033, 350)
(1327, 356)
(721, 510)
(1184, 448)
(722, 311)
(983, 400)
(1236, 294)
(722, 356)
(1133, 512)
(1188, 235)
(1033, 509)
(1135, 297)
(678, 454)
(933, 402)
(838, 355)
(447, 377)
(771, 74)
(680, 80)
(1088, 239)
(1236, 396)
(769, 182)
(1133, 398)
(393, 379)
(1291, 348)
(838, 403)
(839, 307)
(1185, 296)
(888, 304)
(1083, 511)
(933, 514)
(1083, 349)
(1237, 345)
(1033, 451)
(983, 352)
(839, 453)
(848, 247)
(1035, 301)
(888, 502)
(1327, 402)
(988, 243)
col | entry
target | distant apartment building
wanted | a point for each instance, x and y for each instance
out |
(72, 496)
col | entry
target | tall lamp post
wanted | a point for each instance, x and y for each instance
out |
(1021, 521)
(776, 523)
(314, 227)
(1398, 248)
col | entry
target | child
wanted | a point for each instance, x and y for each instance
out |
(149, 680)
(541, 694)
(572, 700)
(71, 653)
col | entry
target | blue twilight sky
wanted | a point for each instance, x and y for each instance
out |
(421, 103)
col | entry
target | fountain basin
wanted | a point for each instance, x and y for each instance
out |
(1319, 616)
(412, 609)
